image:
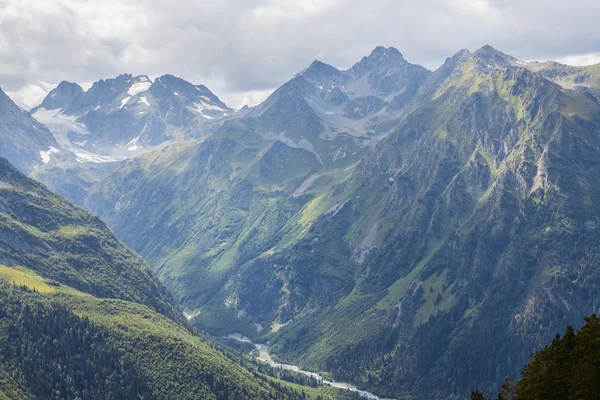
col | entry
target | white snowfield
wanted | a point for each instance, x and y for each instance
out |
(139, 87)
(124, 101)
(202, 106)
(134, 98)
(46, 154)
(132, 145)
(61, 125)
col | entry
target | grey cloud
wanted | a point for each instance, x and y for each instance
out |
(237, 47)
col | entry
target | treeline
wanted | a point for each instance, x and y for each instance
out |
(58, 355)
(568, 369)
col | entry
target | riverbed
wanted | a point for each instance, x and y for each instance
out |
(263, 355)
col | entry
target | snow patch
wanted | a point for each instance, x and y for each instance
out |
(46, 154)
(124, 101)
(201, 106)
(144, 100)
(138, 87)
(96, 158)
(133, 146)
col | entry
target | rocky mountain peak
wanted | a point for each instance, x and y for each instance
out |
(60, 97)
(319, 68)
(122, 83)
(463, 53)
(23, 141)
(490, 56)
(386, 52)
(4, 99)
(380, 59)
(195, 98)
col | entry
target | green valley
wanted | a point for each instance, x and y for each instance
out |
(83, 317)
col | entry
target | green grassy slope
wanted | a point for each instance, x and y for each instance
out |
(90, 289)
(60, 241)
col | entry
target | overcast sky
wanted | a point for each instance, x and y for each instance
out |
(243, 49)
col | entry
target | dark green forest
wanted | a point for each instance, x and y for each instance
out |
(50, 353)
(567, 369)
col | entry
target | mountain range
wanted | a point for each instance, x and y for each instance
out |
(125, 114)
(418, 233)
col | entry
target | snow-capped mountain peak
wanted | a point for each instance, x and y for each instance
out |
(121, 116)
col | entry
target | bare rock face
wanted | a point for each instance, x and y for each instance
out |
(23, 141)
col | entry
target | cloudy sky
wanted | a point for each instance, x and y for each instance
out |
(243, 49)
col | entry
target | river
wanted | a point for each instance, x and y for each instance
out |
(263, 355)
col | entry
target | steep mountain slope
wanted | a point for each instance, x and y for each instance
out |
(458, 238)
(47, 234)
(66, 175)
(46, 353)
(218, 201)
(227, 200)
(23, 140)
(479, 257)
(99, 323)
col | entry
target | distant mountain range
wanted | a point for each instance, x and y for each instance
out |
(125, 114)
(416, 232)
(76, 137)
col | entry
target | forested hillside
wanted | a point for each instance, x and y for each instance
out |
(50, 353)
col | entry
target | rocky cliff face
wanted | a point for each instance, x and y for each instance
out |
(23, 140)
(89, 316)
